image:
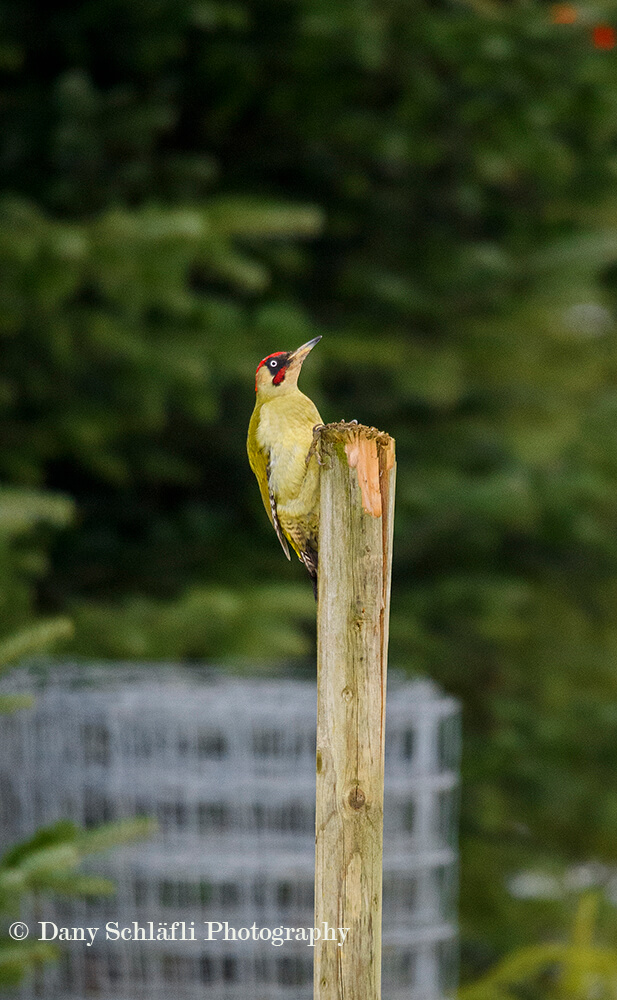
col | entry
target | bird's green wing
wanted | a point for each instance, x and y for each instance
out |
(260, 464)
(275, 517)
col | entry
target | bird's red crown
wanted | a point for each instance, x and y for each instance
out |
(278, 369)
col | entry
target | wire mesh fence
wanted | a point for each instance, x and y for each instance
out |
(227, 768)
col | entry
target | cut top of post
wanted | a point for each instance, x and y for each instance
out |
(370, 452)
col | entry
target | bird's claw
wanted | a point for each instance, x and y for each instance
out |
(313, 449)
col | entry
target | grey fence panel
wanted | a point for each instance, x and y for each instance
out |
(227, 767)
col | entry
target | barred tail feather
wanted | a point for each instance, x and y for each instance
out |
(309, 558)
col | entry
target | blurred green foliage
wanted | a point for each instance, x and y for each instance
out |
(48, 864)
(578, 969)
(189, 186)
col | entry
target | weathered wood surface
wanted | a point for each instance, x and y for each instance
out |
(355, 562)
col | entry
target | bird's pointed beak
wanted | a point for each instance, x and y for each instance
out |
(297, 357)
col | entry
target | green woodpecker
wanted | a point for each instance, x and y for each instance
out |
(282, 456)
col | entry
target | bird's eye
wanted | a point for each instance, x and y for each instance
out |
(273, 364)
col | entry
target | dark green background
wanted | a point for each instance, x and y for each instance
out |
(189, 186)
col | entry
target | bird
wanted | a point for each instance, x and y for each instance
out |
(281, 447)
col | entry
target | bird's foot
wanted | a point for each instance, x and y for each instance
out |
(313, 449)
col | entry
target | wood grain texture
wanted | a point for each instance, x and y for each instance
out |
(355, 562)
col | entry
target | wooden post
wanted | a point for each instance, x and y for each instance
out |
(355, 562)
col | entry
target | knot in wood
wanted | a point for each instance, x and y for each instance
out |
(357, 798)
